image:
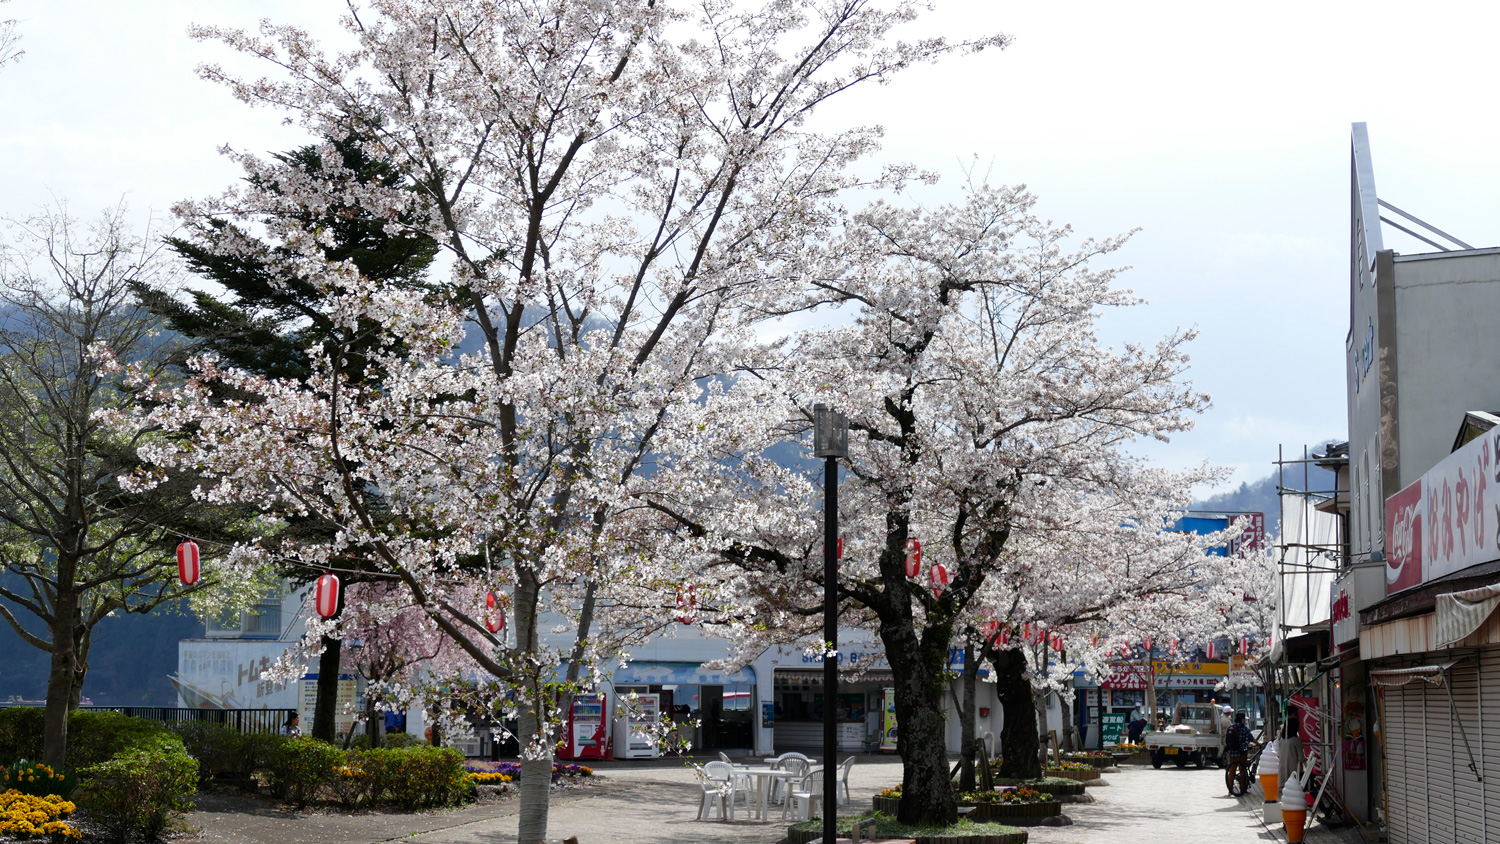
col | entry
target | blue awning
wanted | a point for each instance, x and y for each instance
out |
(679, 674)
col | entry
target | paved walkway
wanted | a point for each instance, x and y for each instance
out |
(657, 803)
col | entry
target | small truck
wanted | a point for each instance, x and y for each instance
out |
(1196, 736)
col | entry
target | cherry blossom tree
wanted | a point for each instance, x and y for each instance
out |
(607, 181)
(987, 421)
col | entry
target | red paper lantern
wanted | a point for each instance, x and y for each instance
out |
(1244, 645)
(187, 562)
(1056, 641)
(913, 558)
(494, 614)
(1172, 651)
(938, 577)
(1208, 651)
(326, 596)
(685, 604)
(1147, 643)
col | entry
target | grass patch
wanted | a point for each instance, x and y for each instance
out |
(888, 827)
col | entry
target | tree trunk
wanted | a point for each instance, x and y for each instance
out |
(60, 682)
(919, 669)
(1018, 733)
(967, 714)
(537, 744)
(374, 718)
(325, 708)
(1070, 729)
(1039, 705)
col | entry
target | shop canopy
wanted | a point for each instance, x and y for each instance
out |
(647, 673)
(1459, 614)
(1393, 677)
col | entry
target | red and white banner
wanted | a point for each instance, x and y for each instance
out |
(1438, 524)
(1254, 535)
(187, 562)
(326, 596)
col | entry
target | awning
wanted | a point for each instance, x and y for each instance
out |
(1392, 677)
(679, 674)
(815, 676)
(1461, 613)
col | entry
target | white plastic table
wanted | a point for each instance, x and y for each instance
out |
(762, 791)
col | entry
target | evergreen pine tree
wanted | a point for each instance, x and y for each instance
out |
(267, 322)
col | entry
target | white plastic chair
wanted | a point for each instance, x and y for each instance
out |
(796, 764)
(715, 793)
(843, 795)
(724, 774)
(741, 781)
(799, 801)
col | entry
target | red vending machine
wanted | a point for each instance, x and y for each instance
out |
(586, 729)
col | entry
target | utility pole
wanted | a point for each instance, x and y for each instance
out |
(830, 442)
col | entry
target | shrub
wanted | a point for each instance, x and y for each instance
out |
(414, 777)
(351, 785)
(300, 766)
(134, 794)
(225, 752)
(29, 816)
(20, 733)
(95, 737)
(37, 780)
(394, 740)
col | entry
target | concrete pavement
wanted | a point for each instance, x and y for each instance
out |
(657, 803)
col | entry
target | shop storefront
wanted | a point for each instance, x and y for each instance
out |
(724, 702)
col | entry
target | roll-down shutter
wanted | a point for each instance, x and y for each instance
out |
(1469, 809)
(1441, 736)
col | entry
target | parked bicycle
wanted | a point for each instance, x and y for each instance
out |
(1237, 774)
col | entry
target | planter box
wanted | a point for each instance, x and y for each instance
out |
(1095, 761)
(887, 805)
(1008, 812)
(1078, 776)
(803, 836)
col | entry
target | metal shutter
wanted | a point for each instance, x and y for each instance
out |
(1487, 744)
(1398, 740)
(1440, 741)
(1468, 793)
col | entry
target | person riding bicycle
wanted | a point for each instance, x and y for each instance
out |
(1238, 738)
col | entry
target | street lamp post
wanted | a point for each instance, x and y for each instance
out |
(830, 442)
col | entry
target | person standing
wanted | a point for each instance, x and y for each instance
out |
(1289, 749)
(290, 727)
(1136, 728)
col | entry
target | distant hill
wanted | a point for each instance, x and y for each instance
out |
(1260, 496)
(128, 662)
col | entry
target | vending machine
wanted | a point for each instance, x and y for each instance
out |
(888, 721)
(586, 729)
(636, 723)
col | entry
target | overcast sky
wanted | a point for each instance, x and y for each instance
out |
(1220, 130)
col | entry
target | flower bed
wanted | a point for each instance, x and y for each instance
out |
(1086, 775)
(28, 816)
(1020, 804)
(1097, 759)
(1054, 785)
(512, 770)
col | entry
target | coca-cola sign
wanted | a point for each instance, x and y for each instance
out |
(1441, 522)
(1403, 538)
